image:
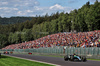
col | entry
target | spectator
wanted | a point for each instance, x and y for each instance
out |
(80, 39)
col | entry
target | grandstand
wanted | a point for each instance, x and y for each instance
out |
(69, 39)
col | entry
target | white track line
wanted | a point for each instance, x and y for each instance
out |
(34, 60)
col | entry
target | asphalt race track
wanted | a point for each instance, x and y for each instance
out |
(58, 61)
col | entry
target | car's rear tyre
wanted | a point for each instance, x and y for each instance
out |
(66, 58)
(84, 59)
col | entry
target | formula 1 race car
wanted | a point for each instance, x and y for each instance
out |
(30, 53)
(75, 58)
(6, 52)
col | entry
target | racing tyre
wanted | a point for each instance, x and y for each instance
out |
(66, 58)
(84, 59)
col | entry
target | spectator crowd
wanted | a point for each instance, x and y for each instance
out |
(69, 39)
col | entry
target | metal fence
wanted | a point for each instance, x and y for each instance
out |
(60, 50)
(83, 51)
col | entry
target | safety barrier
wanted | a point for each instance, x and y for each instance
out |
(60, 50)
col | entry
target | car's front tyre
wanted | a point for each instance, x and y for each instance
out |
(66, 58)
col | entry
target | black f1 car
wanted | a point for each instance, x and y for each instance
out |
(75, 58)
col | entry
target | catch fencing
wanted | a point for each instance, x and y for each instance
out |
(60, 50)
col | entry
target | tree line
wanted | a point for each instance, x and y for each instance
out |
(86, 18)
(13, 20)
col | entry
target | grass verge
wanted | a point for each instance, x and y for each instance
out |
(94, 59)
(11, 61)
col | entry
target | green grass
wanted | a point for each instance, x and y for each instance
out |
(11, 61)
(94, 59)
